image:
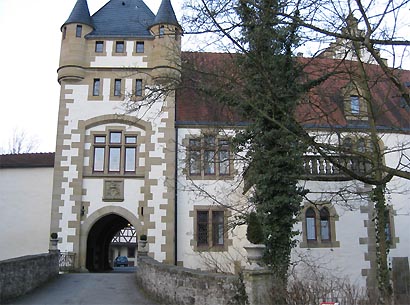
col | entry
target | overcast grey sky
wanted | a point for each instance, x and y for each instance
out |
(29, 55)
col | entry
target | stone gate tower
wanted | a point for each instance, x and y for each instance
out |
(115, 166)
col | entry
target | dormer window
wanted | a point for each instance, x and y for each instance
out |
(354, 105)
(78, 31)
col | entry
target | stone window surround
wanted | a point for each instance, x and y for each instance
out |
(91, 95)
(104, 51)
(114, 48)
(210, 248)
(88, 170)
(349, 91)
(318, 243)
(123, 94)
(112, 89)
(393, 239)
(141, 43)
(202, 176)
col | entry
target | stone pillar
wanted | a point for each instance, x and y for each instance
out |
(259, 285)
(401, 280)
(142, 248)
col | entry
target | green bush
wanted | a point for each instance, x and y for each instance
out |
(254, 232)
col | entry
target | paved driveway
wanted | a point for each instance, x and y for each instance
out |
(115, 288)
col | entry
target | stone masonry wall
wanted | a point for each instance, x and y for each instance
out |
(181, 286)
(20, 275)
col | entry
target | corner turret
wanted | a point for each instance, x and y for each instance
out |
(167, 32)
(73, 45)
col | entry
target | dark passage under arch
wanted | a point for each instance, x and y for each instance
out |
(99, 239)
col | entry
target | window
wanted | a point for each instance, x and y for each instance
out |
(115, 153)
(347, 144)
(99, 46)
(210, 229)
(209, 156)
(324, 224)
(176, 33)
(119, 47)
(361, 145)
(224, 160)
(117, 87)
(389, 229)
(138, 87)
(218, 228)
(310, 224)
(64, 32)
(161, 31)
(319, 227)
(78, 31)
(139, 47)
(202, 229)
(96, 87)
(354, 105)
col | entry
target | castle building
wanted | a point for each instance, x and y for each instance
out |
(132, 152)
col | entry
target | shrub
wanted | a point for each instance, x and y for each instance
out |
(254, 231)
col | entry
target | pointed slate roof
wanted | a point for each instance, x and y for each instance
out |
(166, 14)
(123, 18)
(80, 14)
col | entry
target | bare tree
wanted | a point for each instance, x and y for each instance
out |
(21, 142)
(361, 34)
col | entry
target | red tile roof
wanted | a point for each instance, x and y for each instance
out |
(325, 106)
(27, 160)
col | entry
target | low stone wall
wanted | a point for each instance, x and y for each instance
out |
(181, 286)
(21, 275)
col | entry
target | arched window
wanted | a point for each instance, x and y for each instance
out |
(310, 224)
(361, 145)
(319, 226)
(324, 224)
(347, 143)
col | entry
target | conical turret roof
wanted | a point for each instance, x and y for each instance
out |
(80, 14)
(166, 14)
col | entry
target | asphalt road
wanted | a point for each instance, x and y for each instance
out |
(114, 288)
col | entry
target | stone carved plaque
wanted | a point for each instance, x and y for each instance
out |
(113, 190)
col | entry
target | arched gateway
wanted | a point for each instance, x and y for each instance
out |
(97, 233)
(99, 239)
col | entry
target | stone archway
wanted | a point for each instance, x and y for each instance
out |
(98, 231)
(99, 239)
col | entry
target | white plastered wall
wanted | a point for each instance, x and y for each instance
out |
(196, 193)
(25, 205)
